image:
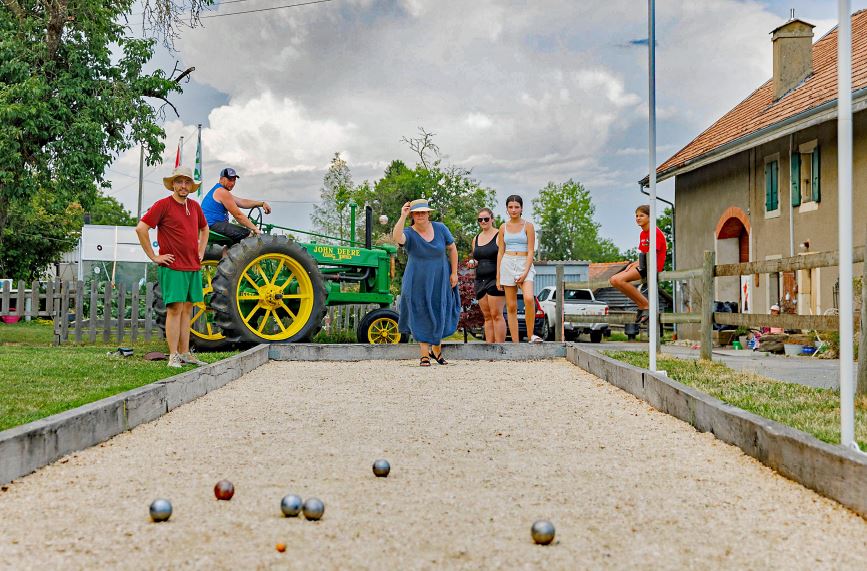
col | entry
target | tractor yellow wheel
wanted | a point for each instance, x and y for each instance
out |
(202, 324)
(269, 290)
(274, 297)
(380, 327)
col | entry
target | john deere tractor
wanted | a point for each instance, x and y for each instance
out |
(272, 289)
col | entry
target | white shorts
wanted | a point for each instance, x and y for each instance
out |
(512, 267)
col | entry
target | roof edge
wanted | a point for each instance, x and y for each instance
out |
(750, 140)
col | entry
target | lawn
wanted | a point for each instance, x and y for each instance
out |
(38, 380)
(812, 410)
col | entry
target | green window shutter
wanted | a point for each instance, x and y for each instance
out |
(775, 185)
(768, 185)
(795, 177)
(816, 194)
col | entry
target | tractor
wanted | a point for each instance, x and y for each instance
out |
(271, 289)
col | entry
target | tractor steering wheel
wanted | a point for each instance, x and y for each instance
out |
(255, 216)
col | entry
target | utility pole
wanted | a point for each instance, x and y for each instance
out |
(140, 179)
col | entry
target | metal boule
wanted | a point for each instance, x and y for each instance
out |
(313, 508)
(161, 510)
(291, 505)
(381, 468)
(224, 490)
(542, 532)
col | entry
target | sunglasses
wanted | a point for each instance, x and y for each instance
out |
(484, 219)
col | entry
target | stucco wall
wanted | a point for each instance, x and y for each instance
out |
(702, 196)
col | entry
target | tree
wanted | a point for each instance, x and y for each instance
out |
(44, 229)
(107, 210)
(331, 214)
(73, 95)
(565, 226)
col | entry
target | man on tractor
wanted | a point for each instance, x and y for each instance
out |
(220, 202)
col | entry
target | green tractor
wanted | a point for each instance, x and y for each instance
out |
(271, 289)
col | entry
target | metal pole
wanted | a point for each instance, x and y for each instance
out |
(140, 179)
(844, 170)
(651, 265)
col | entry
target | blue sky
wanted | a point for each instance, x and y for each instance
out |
(521, 92)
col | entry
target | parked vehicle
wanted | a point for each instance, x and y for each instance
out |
(540, 326)
(575, 302)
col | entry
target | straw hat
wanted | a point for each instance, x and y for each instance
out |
(178, 172)
(420, 205)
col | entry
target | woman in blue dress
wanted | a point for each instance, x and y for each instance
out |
(430, 305)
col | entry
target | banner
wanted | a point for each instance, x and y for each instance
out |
(197, 171)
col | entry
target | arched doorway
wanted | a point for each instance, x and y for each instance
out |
(733, 247)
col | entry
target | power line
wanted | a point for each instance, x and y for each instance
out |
(265, 9)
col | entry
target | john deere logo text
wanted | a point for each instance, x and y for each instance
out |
(336, 253)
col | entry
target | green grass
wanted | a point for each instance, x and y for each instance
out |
(38, 380)
(812, 410)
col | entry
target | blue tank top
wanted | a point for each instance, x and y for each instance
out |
(516, 242)
(214, 211)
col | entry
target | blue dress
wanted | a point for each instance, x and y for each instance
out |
(429, 306)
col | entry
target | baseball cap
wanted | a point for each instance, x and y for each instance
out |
(229, 172)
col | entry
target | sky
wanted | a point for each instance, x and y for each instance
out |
(521, 92)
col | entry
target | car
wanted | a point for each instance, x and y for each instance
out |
(577, 302)
(540, 326)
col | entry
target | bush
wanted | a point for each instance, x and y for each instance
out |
(326, 338)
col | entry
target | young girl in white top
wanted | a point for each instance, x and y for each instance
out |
(516, 241)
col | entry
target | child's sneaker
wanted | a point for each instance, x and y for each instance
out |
(175, 361)
(191, 359)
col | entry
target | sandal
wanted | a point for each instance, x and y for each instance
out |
(439, 359)
(643, 316)
(424, 362)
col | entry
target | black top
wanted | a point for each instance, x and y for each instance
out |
(486, 256)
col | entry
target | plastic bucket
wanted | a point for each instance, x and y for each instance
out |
(792, 349)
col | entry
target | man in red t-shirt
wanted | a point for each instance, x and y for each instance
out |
(638, 270)
(182, 235)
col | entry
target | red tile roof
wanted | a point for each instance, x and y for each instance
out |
(759, 110)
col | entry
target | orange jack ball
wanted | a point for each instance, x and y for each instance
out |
(281, 547)
(224, 490)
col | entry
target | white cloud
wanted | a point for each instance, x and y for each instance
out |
(521, 92)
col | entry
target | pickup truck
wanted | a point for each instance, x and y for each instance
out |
(576, 302)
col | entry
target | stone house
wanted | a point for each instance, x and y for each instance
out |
(761, 182)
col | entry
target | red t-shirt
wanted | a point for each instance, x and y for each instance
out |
(661, 247)
(177, 230)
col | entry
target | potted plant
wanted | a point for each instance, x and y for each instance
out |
(742, 333)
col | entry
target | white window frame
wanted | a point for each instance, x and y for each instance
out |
(807, 203)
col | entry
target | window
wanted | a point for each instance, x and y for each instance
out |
(543, 295)
(578, 295)
(772, 185)
(805, 174)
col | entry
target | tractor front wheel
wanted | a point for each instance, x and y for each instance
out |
(268, 289)
(380, 327)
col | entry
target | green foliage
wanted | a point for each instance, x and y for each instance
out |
(109, 211)
(331, 216)
(42, 229)
(564, 217)
(335, 337)
(74, 94)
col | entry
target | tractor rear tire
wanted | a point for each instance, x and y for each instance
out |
(380, 327)
(268, 289)
(204, 333)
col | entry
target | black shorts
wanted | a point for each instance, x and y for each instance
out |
(642, 265)
(487, 287)
(233, 232)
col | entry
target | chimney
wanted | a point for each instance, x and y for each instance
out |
(793, 55)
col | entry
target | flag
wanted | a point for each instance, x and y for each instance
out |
(197, 171)
(179, 156)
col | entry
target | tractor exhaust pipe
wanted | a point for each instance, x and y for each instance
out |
(368, 227)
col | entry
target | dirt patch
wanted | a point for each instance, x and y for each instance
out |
(479, 450)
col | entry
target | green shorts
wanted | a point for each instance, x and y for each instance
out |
(180, 286)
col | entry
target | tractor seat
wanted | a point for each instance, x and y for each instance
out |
(217, 238)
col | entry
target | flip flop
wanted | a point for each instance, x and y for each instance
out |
(424, 362)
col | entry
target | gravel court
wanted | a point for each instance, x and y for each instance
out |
(479, 450)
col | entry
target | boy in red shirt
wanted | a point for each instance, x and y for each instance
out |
(638, 270)
(182, 234)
